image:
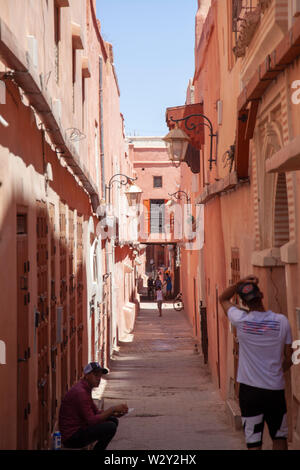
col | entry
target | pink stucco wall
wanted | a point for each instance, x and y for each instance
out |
(23, 163)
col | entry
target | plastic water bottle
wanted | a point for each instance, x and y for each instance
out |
(57, 441)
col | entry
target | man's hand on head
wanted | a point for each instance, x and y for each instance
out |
(226, 296)
(249, 278)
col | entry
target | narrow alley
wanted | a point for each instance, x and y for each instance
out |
(159, 375)
(149, 151)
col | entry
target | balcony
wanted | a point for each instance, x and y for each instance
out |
(245, 20)
(264, 27)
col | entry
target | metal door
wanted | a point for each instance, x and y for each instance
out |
(42, 325)
(72, 299)
(53, 303)
(63, 297)
(204, 336)
(80, 326)
(23, 351)
(218, 338)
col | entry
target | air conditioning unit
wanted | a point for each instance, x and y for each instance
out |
(220, 112)
(57, 108)
(2, 92)
(32, 50)
(2, 352)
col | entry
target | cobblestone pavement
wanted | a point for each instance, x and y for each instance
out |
(159, 375)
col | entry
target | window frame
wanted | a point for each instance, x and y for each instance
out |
(156, 177)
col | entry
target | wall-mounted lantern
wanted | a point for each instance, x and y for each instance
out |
(123, 180)
(177, 143)
(178, 140)
(133, 194)
(177, 195)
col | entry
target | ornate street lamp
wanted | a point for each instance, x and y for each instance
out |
(177, 195)
(178, 141)
(124, 179)
(133, 194)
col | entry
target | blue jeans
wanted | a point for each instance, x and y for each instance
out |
(100, 432)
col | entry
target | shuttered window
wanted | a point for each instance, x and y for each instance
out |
(157, 216)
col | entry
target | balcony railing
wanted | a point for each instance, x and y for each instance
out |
(245, 19)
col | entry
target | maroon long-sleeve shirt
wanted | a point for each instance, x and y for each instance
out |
(77, 410)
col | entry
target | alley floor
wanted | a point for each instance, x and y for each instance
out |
(175, 405)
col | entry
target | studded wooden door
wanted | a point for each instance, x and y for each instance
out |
(235, 276)
(102, 332)
(106, 324)
(72, 299)
(42, 324)
(23, 351)
(53, 304)
(63, 297)
(80, 326)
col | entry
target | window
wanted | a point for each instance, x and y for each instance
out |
(157, 216)
(157, 181)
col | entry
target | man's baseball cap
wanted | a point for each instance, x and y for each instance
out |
(94, 367)
(248, 291)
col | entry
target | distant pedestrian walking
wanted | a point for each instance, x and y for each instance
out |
(264, 355)
(169, 287)
(159, 299)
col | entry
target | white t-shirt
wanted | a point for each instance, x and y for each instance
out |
(262, 336)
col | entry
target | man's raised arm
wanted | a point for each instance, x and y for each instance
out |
(229, 292)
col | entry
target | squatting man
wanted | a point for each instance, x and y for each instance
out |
(80, 422)
(265, 354)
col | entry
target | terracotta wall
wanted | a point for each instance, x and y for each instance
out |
(245, 231)
(61, 191)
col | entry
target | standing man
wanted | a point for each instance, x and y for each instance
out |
(264, 355)
(150, 285)
(80, 421)
(158, 283)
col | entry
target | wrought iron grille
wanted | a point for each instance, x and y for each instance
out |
(239, 10)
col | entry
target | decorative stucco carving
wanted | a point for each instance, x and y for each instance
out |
(273, 138)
